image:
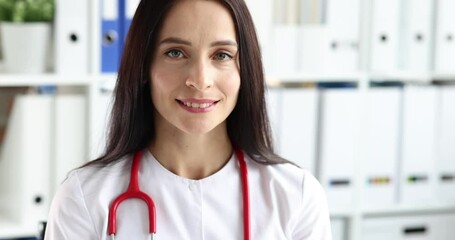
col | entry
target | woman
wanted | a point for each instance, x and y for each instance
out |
(190, 98)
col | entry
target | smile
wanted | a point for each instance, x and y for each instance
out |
(197, 105)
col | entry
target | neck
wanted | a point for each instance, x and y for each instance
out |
(193, 156)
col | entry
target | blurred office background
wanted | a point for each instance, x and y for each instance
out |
(360, 92)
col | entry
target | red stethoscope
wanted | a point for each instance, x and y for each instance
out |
(134, 191)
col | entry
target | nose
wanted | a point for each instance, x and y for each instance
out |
(200, 77)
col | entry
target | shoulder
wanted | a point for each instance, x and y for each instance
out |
(297, 186)
(296, 194)
(92, 180)
(298, 180)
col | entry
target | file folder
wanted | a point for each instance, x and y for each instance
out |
(380, 164)
(72, 37)
(70, 150)
(416, 35)
(384, 35)
(25, 161)
(338, 144)
(445, 37)
(445, 165)
(418, 154)
(298, 127)
(111, 35)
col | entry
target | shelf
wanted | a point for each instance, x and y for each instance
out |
(444, 76)
(395, 210)
(409, 209)
(307, 77)
(17, 80)
(413, 77)
(342, 213)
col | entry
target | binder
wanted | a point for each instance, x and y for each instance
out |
(285, 52)
(338, 226)
(426, 227)
(445, 37)
(72, 37)
(111, 35)
(313, 46)
(418, 154)
(416, 35)
(103, 106)
(298, 127)
(384, 35)
(274, 103)
(380, 177)
(70, 136)
(337, 144)
(445, 164)
(261, 12)
(130, 9)
(343, 36)
(25, 161)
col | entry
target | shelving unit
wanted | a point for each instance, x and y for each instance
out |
(94, 83)
(354, 216)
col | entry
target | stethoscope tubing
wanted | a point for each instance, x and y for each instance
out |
(134, 191)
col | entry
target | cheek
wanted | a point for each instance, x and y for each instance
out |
(232, 84)
(163, 80)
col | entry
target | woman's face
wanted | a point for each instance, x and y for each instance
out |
(194, 73)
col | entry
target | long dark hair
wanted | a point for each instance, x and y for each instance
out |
(131, 125)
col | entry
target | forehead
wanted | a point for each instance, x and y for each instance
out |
(200, 18)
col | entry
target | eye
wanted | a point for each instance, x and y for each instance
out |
(174, 53)
(222, 56)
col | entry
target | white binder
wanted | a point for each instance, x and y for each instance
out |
(427, 227)
(338, 228)
(380, 177)
(285, 52)
(445, 165)
(130, 9)
(25, 161)
(418, 156)
(416, 35)
(70, 136)
(261, 12)
(298, 126)
(274, 110)
(71, 37)
(445, 37)
(103, 107)
(338, 145)
(343, 36)
(314, 47)
(384, 37)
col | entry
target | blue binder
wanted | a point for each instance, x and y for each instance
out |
(130, 9)
(116, 19)
(111, 34)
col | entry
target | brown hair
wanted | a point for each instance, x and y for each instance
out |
(132, 118)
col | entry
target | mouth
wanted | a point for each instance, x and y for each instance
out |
(200, 104)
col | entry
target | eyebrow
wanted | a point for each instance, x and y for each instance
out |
(184, 42)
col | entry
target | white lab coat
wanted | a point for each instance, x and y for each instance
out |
(286, 203)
